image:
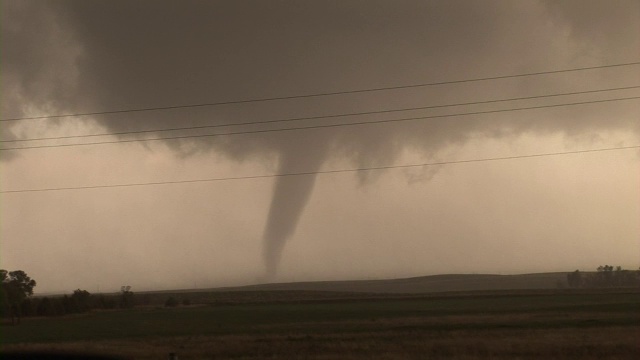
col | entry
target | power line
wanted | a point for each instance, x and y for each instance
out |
(323, 116)
(344, 92)
(376, 168)
(310, 127)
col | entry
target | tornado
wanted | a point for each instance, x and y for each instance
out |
(290, 196)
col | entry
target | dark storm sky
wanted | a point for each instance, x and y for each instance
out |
(551, 213)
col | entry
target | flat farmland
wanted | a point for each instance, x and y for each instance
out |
(487, 325)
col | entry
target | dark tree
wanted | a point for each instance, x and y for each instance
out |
(574, 279)
(608, 276)
(17, 286)
(46, 307)
(27, 307)
(171, 302)
(82, 300)
(106, 302)
(19, 281)
(126, 297)
(605, 276)
(69, 305)
(4, 303)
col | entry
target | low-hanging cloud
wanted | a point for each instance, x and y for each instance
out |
(79, 56)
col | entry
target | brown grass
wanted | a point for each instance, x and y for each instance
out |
(610, 343)
(388, 339)
(504, 326)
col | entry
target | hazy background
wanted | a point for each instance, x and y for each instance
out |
(513, 216)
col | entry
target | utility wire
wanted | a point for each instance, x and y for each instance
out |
(321, 126)
(344, 92)
(376, 168)
(323, 116)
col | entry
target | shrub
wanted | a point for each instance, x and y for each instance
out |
(171, 302)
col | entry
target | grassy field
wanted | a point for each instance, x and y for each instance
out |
(491, 325)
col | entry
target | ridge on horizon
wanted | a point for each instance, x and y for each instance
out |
(411, 285)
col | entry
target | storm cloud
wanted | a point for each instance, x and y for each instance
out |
(65, 57)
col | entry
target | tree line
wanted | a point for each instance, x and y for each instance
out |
(605, 276)
(16, 300)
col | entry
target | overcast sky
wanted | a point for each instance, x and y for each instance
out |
(528, 214)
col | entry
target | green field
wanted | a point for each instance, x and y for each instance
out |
(498, 325)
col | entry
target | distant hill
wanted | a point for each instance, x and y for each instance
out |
(435, 285)
(422, 284)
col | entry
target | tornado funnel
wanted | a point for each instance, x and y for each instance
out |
(290, 196)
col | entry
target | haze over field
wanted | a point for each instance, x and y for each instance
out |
(524, 214)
